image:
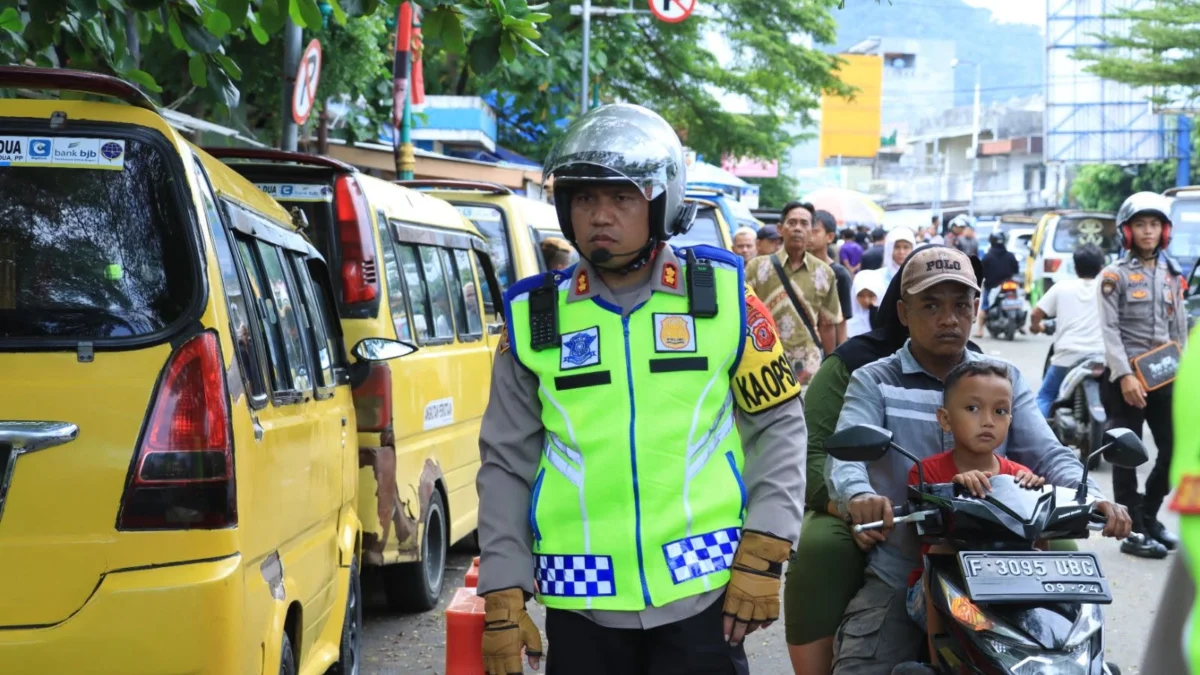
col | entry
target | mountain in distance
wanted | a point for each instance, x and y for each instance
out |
(1012, 56)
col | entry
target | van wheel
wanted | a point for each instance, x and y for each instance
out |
(287, 658)
(350, 651)
(416, 587)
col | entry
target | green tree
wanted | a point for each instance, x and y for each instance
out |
(1161, 48)
(94, 34)
(667, 67)
(1102, 187)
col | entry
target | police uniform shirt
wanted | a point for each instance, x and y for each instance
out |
(511, 440)
(1141, 307)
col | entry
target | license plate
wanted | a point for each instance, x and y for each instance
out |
(1011, 303)
(1030, 576)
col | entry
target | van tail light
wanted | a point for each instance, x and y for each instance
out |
(373, 399)
(360, 279)
(183, 474)
(1051, 265)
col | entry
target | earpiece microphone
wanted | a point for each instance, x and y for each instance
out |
(602, 256)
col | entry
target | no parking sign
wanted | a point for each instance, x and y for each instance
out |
(672, 11)
(304, 93)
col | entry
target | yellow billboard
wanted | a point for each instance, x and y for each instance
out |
(850, 127)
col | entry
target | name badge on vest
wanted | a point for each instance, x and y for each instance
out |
(674, 333)
(580, 349)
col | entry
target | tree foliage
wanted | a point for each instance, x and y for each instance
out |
(671, 68)
(773, 193)
(94, 34)
(1102, 187)
(1161, 48)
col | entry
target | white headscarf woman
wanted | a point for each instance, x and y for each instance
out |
(866, 293)
(899, 243)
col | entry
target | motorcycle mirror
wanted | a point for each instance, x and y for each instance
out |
(859, 443)
(1124, 448)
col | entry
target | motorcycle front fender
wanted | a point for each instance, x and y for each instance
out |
(1091, 390)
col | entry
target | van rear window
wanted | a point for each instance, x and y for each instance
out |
(1071, 233)
(92, 253)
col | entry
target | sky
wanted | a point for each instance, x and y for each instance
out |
(1014, 11)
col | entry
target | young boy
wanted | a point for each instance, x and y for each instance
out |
(976, 409)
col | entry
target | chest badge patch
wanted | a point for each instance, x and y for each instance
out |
(580, 349)
(674, 333)
(1138, 294)
(1137, 277)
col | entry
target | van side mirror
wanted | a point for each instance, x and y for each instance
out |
(859, 443)
(381, 349)
(1124, 448)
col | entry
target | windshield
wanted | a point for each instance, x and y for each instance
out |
(1185, 231)
(91, 252)
(1071, 232)
(490, 222)
(705, 230)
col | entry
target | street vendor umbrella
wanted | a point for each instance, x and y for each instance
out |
(848, 206)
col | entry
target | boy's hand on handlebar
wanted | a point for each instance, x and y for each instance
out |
(867, 508)
(1026, 479)
(976, 482)
(1118, 524)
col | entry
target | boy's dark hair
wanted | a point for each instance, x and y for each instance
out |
(826, 220)
(1089, 260)
(792, 206)
(972, 369)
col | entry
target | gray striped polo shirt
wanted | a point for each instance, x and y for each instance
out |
(897, 393)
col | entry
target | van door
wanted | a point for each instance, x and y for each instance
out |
(293, 465)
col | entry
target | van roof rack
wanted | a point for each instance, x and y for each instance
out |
(65, 79)
(272, 155)
(448, 184)
(1171, 192)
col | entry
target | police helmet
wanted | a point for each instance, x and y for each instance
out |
(1144, 203)
(617, 143)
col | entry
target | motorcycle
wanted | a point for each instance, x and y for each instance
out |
(1077, 416)
(1005, 607)
(1006, 310)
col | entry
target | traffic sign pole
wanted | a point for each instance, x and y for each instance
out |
(291, 59)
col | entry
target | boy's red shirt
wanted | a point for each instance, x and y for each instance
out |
(940, 468)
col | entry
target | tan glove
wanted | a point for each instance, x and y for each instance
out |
(507, 628)
(752, 596)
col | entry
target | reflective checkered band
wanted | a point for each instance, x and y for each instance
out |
(694, 557)
(575, 576)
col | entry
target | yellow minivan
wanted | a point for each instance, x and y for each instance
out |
(178, 484)
(509, 222)
(409, 267)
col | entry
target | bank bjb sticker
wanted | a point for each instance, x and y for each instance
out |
(298, 192)
(674, 333)
(439, 413)
(72, 153)
(580, 349)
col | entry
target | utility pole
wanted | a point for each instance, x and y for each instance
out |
(936, 204)
(587, 11)
(291, 61)
(974, 148)
(402, 147)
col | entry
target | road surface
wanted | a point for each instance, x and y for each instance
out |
(403, 644)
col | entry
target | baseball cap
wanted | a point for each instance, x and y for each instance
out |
(932, 265)
(878, 233)
(769, 232)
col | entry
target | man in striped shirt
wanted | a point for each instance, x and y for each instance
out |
(902, 392)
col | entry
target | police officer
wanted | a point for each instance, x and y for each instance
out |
(1141, 309)
(613, 487)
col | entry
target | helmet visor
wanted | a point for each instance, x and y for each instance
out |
(609, 149)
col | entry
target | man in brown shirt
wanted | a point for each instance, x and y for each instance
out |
(814, 284)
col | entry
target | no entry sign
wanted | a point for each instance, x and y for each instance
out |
(304, 93)
(672, 11)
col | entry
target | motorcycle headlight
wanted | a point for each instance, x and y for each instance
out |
(969, 615)
(1022, 661)
(1091, 621)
